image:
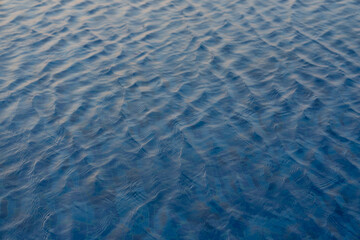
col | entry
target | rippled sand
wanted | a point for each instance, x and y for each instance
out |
(179, 119)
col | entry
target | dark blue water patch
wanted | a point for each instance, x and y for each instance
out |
(155, 119)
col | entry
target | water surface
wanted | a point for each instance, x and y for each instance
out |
(179, 119)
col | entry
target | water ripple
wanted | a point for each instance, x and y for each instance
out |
(169, 119)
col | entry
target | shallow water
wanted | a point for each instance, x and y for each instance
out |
(173, 119)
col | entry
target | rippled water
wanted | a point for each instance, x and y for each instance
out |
(179, 119)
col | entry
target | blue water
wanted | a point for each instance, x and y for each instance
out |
(180, 119)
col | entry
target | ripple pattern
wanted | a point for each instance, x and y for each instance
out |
(179, 119)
